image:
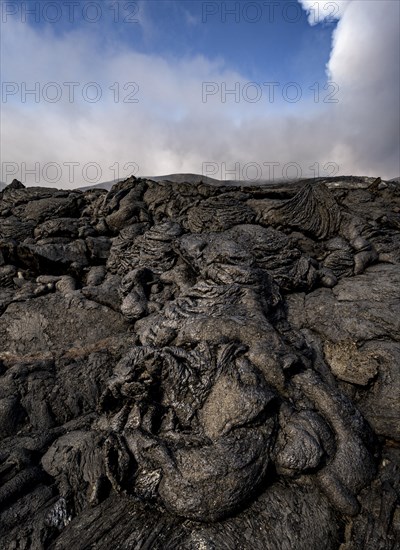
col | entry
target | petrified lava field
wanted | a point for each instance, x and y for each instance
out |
(200, 367)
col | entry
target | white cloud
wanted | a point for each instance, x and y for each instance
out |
(172, 130)
(324, 10)
(364, 62)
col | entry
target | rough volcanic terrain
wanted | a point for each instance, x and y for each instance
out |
(191, 366)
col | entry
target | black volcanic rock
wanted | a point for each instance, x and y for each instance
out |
(197, 366)
(15, 184)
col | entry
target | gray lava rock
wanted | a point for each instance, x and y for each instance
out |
(196, 366)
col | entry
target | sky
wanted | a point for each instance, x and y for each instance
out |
(94, 91)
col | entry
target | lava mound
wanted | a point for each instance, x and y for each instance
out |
(193, 366)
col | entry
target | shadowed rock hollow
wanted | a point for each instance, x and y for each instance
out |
(200, 367)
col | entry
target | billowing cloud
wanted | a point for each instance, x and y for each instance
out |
(364, 62)
(324, 10)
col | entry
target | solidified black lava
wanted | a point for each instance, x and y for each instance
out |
(200, 367)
